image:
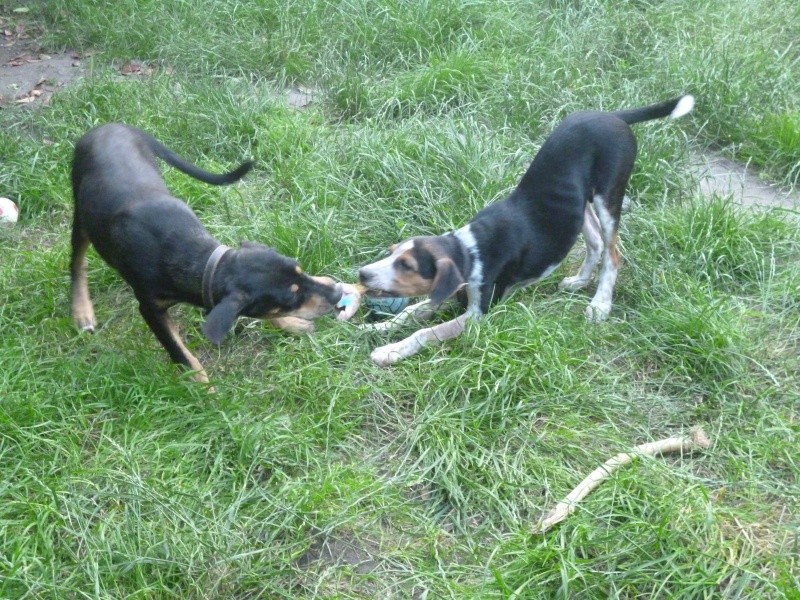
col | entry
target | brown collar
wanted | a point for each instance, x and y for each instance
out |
(207, 285)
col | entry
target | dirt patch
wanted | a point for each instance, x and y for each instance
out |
(362, 556)
(720, 176)
(29, 73)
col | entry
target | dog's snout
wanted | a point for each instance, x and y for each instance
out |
(364, 275)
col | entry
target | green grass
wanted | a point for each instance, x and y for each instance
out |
(311, 473)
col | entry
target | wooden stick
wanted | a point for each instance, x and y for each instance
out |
(697, 440)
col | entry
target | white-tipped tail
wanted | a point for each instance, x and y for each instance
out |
(683, 107)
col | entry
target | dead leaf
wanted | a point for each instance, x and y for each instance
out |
(20, 9)
(45, 57)
(22, 59)
(32, 95)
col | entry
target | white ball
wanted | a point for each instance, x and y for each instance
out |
(9, 213)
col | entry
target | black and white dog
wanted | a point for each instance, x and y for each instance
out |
(576, 183)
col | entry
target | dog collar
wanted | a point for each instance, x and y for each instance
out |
(207, 286)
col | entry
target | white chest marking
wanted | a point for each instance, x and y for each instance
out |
(475, 280)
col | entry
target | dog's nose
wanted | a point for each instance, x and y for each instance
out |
(363, 275)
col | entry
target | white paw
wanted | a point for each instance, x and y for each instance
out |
(385, 356)
(573, 284)
(597, 312)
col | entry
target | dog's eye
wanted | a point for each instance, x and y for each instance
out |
(403, 265)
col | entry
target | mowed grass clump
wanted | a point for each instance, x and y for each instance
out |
(311, 473)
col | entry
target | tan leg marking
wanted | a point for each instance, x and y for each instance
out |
(199, 371)
(82, 310)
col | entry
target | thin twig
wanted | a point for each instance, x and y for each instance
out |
(695, 441)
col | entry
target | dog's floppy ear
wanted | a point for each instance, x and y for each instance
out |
(448, 280)
(222, 317)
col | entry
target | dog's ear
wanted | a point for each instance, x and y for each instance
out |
(448, 280)
(222, 317)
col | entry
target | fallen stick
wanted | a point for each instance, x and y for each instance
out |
(697, 440)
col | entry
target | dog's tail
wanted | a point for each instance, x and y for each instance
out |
(677, 107)
(176, 161)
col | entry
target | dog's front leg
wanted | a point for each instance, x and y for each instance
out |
(161, 325)
(389, 354)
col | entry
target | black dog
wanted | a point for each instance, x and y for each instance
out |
(161, 249)
(585, 162)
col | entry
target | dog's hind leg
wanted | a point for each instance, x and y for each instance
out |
(82, 310)
(594, 250)
(161, 325)
(600, 306)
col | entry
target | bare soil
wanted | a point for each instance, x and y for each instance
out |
(29, 73)
(720, 176)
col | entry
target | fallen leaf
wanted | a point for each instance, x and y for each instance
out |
(21, 60)
(21, 9)
(45, 57)
(32, 95)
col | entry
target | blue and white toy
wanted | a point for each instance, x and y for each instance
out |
(385, 306)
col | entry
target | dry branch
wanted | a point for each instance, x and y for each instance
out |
(695, 441)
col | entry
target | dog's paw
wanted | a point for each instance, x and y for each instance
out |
(597, 312)
(84, 324)
(386, 356)
(572, 284)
